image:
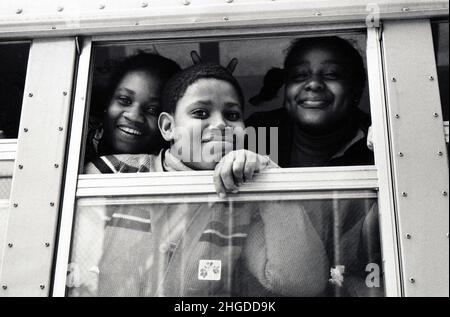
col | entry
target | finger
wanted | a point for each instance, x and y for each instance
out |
(195, 57)
(226, 173)
(262, 163)
(218, 184)
(238, 167)
(232, 65)
(250, 166)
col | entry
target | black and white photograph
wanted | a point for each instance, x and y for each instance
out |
(197, 149)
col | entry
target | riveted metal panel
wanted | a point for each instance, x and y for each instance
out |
(35, 195)
(24, 18)
(420, 163)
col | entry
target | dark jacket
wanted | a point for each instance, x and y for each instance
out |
(356, 154)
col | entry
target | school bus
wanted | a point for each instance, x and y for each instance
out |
(56, 54)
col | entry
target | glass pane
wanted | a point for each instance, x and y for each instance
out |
(13, 67)
(4, 210)
(6, 171)
(440, 37)
(338, 138)
(298, 246)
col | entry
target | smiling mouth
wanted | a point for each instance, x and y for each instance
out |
(130, 131)
(314, 104)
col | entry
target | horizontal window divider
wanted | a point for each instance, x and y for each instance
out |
(8, 149)
(201, 182)
(213, 198)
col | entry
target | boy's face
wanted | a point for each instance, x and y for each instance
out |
(205, 118)
(318, 93)
(131, 120)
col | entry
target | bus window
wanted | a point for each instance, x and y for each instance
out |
(13, 68)
(261, 74)
(14, 57)
(271, 244)
(440, 38)
(126, 242)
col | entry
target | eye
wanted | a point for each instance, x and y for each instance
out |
(152, 110)
(233, 115)
(300, 76)
(199, 113)
(124, 100)
(333, 73)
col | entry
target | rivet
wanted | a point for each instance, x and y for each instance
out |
(47, 244)
(318, 14)
(440, 153)
(394, 79)
(186, 2)
(447, 235)
(19, 11)
(444, 193)
(16, 205)
(52, 204)
(25, 129)
(101, 7)
(56, 165)
(59, 9)
(144, 4)
(229, 1)
(42, 286)
(64, 93)
(53, 27)
(30, 94)
(60, 128)
(226, 18)
(4, 286)
(408, 236)
(412, 280)
(20, 166)
(400, 154)
(10, 245)
(405, 9)
(397, 116)
(435, 115)
(404, 194)
(137, 23)
(431, 78)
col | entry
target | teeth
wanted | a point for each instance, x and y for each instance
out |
(130, 131)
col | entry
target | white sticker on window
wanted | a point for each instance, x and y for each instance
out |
(209, 270)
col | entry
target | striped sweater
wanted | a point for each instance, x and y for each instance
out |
(206, 249)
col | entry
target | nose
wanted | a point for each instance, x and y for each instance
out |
(134, 113)
(315, 83)
(217, 121)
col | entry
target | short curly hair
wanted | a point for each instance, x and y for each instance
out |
(176, 87)
(161, 67)
(352, 58)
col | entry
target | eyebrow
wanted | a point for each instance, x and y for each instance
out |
(330, 61)
(131, 92)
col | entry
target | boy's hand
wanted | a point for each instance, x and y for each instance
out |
(237, 167)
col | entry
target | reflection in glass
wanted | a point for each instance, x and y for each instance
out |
(13, 67)
(314, 247)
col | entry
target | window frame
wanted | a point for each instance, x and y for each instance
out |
(364, 178)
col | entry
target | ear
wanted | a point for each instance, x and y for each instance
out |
(166, 124)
